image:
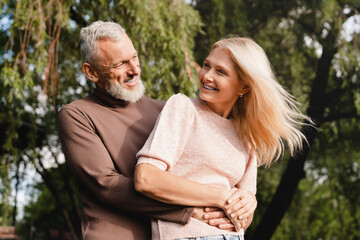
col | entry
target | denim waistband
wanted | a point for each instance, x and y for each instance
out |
(217, 237)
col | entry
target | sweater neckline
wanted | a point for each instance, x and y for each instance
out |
(101, 95)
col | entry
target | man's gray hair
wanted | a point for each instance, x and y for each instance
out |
(96, 31)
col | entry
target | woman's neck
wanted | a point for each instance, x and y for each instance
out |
(220, 109)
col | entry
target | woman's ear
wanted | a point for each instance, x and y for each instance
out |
(90, 72)
(245, 89)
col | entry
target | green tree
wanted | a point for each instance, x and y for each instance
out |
(315, 62)
(42, 215)
(313, 195)
(41, 71)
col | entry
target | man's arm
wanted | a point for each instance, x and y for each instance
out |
(93, 166)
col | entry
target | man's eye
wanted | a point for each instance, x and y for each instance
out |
(119, 65)
(206, 65)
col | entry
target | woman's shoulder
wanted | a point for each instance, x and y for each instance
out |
(179, 97)
(180, 101)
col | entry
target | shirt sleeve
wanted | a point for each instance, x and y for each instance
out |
(166, 142)
(92, 165)
(248, 181)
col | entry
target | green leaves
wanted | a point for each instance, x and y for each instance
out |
(295, 34)
(41, 71)
(41, 65)
(163, 33)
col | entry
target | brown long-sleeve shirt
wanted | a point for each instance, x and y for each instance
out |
(100, 137)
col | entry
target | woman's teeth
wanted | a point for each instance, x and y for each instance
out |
(208, 88)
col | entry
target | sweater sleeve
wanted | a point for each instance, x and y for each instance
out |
(93, 166)
(248, 181)
(166, 142)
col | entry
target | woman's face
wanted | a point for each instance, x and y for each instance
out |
(220, 86)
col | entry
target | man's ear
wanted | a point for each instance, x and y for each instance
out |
(90, 72)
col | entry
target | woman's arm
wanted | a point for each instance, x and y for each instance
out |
(172, 189)
(169, 188)
(167, 142)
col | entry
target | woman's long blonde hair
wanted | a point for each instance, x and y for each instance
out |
(267, 115)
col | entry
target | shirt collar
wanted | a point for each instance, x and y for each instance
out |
(101, 95)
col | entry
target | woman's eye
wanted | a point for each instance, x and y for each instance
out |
(206, 65)
(221, 71)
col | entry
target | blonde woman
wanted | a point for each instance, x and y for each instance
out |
(201, 150)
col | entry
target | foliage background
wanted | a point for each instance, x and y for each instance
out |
(311, 196)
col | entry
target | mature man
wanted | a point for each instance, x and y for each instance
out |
(102, 133)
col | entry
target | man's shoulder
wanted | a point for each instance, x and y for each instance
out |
(77, 110)
(151, 102)
(91, 105)
(80, 104)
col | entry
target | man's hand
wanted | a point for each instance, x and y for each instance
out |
(214, 217)
(218, 218)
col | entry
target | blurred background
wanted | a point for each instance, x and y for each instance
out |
(314, 48)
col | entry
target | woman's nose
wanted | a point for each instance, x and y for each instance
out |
(208, 76)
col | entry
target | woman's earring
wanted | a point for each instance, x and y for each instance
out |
(241, 95)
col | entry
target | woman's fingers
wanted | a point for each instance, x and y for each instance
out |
(240, 209)
(237, 193)
(242, 204)
(243, 223)
(237, 223)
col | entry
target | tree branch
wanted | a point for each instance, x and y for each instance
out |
(76, 17)
(50, 183)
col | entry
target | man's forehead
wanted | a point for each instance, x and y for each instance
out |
(120, 48)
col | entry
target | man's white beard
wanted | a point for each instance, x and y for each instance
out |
(118, 91)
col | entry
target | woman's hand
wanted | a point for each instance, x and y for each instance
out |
(242, 204)
(240, 207)
(172, 189)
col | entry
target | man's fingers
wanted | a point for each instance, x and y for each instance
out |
(222, 223)
(217, 218)
(214, 215)
(218, 221)
(227, 227)
(212, 209)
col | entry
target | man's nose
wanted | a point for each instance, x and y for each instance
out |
(134, 67)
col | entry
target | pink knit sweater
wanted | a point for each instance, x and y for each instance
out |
(192, 141)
